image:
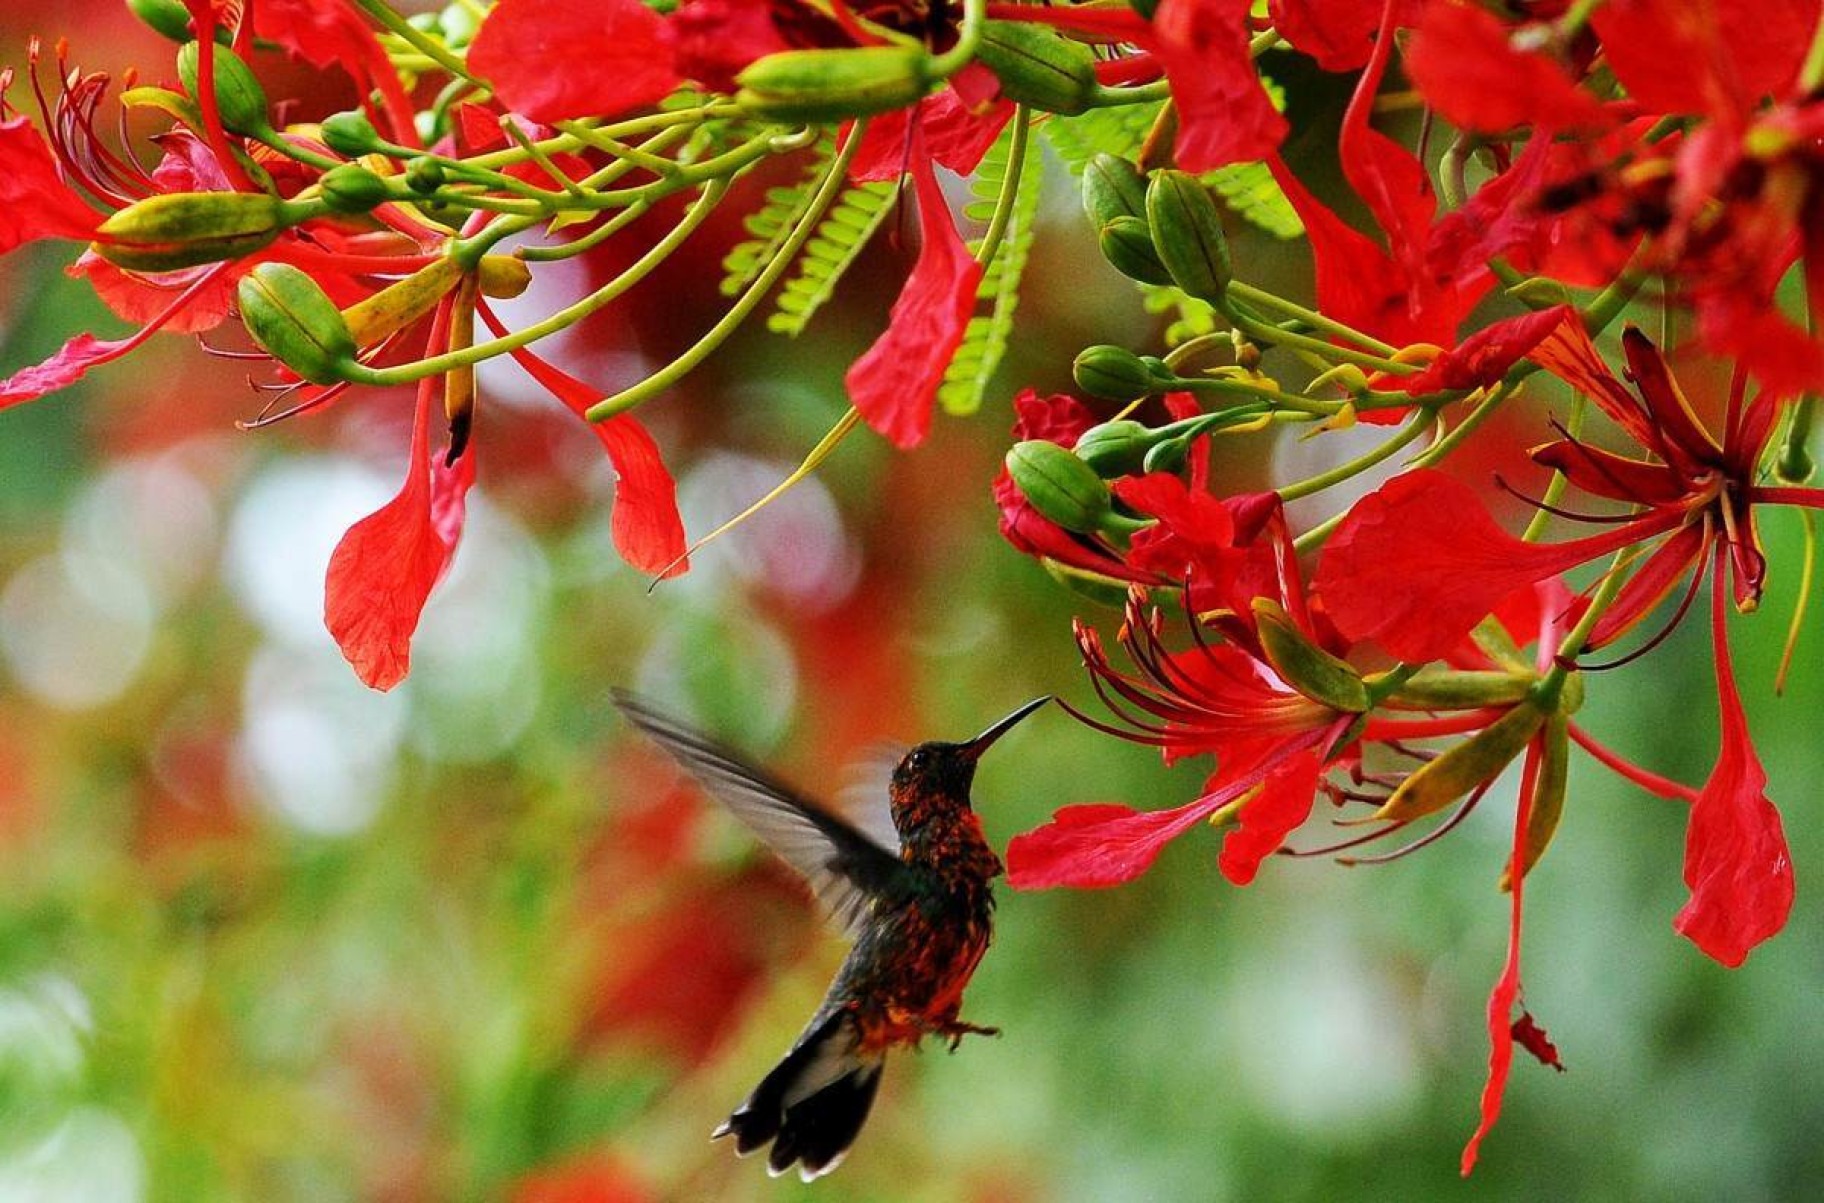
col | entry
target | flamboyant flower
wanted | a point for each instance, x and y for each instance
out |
(1418, 563)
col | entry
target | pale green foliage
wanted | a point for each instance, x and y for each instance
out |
(842, 234)
(773, 222)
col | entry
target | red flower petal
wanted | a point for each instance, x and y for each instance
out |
(1284, 802)
(1339, 34)
(142, 298)
(1485, 356)
(894, 383)
(1737, 864)
(1102, 844)
(63, 369)
(1534, 1039)
(330, 33)
(954, 134)
(1462, 60)
(1224, 115)
(647, 529)
(34, 200)
(383, 570)
(557, 59)
(1417, 563)
(717, 39)
(1506, 993)
(1712, 57)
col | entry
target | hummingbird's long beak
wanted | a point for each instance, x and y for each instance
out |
(981, 743)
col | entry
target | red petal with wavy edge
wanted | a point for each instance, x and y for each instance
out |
(34, 201)
(1705, 56)
(718, 39)
(1417, 563)
(63, 369)
(894, 383)
(1339, 34)
(1106, 844)
(1462, 60)
(1737, 865)
(330, 33)
(1283, 803)
(140, 298)
(1536, 1040)
(553, 60)
(1485, 356)
(1506, 993)
(1224, 115)
(383, 570)
(646, 526)
(953, 133)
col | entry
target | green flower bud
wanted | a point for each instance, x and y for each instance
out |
(1187, 234)
(352, 188)
(503, 276)
(424, 174)
(1115, 448)
(1059, 486)
(1127, 243)
(1112, 373)
(182, 229)
(168, 18)
(295, 321)
(349, 133)
(1038, 67)
(1305, 666)
(1112, 188)
(813, 86)
(238, 95)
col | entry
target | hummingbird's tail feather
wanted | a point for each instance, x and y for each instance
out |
(813, 1103)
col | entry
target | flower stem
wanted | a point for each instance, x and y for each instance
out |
(834, 179)
(383, 15)
(1312, 318)
(1010, 189)
(1418, 425)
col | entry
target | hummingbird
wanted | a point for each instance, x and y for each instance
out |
(919, 911)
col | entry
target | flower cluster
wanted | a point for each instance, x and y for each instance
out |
(1594, 157)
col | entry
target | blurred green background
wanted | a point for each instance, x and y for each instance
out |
(265, 935)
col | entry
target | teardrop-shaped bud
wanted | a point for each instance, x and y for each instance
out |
(182, 229)
(1187, 234)
(814, 86)
(1127, 243)
(1112, 373)
(239, 98)
(1058, 485)
(352, 188)
(349, 133)
(294, 320)
(1112, 188)
(1038, 66)
(1115, 448)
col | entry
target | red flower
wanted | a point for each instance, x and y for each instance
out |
(1339, 34)
(552, 60)
(894, 383)
(1465, 63)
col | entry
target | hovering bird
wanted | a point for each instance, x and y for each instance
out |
(920, 914)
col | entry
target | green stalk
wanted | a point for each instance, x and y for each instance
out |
(834, 177)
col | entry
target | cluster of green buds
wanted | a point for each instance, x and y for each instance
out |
(1159, 228)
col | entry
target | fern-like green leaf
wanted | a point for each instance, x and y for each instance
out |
(985, 340)
(773, 222)
(1119, 130)
(832, 250)
(1250, 190)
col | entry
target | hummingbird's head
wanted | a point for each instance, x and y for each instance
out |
(939, 769)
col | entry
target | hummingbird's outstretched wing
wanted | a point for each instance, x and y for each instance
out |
(845, 868)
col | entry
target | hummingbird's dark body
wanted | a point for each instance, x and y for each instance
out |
(921, 915)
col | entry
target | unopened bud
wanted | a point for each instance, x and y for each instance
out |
(1127, 243)
(238, 96)
(182, 229)
(1187, 234)
(1058, 485)
(424, 175)
(352, 188)
(296, 323)
(503, 277)
(1038, 66)
(1115, 448)
(349, 133)
(166, 17)
(1112, 373)
(814, 86)
(1112, 188)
